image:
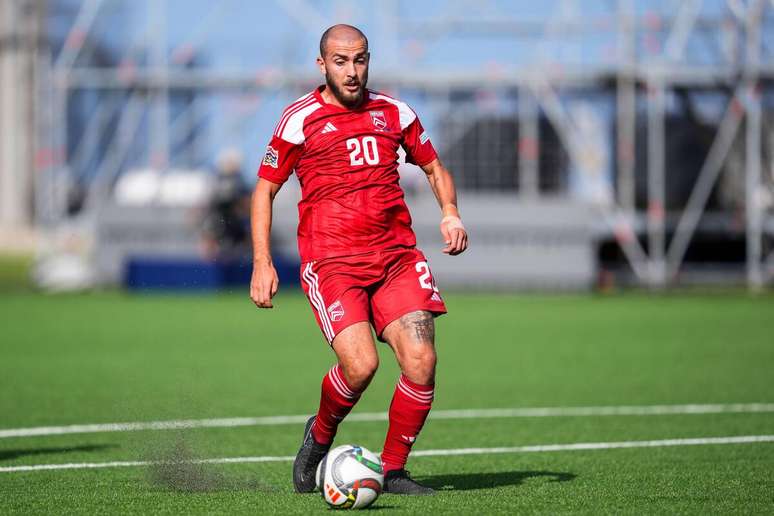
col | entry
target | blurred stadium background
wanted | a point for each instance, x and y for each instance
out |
(596, 143)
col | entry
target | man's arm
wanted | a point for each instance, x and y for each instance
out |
(264, 282)
(454, 234)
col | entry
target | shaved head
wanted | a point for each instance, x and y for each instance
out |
(344, 61)
(344, 33)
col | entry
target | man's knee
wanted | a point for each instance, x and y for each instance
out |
(358, 359)
(359, 371)
(418, 363)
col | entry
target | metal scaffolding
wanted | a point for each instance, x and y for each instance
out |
(650, 63)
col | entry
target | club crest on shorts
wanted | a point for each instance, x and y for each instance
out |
(336, 311)
(272, 157)
(380, 123)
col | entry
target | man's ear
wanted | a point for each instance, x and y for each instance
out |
(321, 64)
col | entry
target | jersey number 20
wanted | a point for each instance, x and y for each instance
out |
(366, 150)
(426, 279)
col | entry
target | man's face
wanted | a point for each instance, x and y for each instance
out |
(345, 65)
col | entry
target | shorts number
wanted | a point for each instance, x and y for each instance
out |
(367, 150)
(425, 278)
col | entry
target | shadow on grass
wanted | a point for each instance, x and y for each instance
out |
(470, 481)
(23, 452)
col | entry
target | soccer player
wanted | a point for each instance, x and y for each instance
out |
(359, 263)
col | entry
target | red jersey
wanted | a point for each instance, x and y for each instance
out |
(347, 164)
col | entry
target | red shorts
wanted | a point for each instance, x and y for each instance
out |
(377, 287)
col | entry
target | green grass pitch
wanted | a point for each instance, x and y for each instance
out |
(111, 357)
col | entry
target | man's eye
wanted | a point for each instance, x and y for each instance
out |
(339, 63)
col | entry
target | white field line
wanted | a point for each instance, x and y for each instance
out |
(540, 448)
(633, 410)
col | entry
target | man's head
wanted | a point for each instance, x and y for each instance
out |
(344, 62)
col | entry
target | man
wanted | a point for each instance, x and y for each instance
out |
(360, 267)
(225, 236)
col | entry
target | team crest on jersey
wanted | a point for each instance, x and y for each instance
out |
(336, 311)
(272, 157)
(380, 123)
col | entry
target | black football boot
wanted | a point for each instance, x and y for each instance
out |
(398, 481)
(308, 457)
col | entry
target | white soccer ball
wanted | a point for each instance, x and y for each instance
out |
(350, 477)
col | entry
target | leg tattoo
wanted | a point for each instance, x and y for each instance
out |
(422, 323)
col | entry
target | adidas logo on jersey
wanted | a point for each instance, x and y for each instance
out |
(329, 127)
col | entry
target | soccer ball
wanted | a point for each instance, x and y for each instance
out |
(350, 477)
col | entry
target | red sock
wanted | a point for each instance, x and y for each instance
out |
(408, 411)
(336, 400)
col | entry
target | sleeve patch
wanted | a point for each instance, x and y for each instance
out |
(271, 158)
(423, 138)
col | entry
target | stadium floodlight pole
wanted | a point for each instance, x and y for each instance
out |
(753, 204)
(656, 208)
(41, 121)
(159, 155)
(626, 106)
(61, 173)
(754, 213)
(674, 50)
(622, 224)
(62, 67)
(529, 145)
(46, 122)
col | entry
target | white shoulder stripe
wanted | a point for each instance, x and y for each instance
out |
(290, 112)
(306, 99)
(407, 115)
(293, 131)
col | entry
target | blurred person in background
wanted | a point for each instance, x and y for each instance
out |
(225, 235)
(360, 265)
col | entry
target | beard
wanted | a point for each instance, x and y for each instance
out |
(350, 100)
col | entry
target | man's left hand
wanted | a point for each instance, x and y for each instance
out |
(454, 235)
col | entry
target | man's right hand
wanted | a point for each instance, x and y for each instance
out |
(264, 283)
